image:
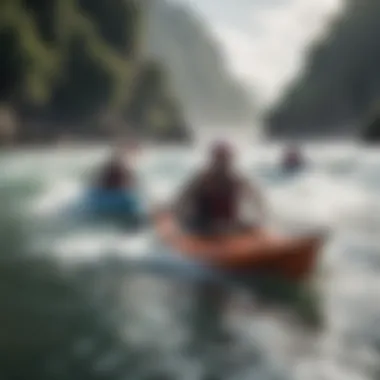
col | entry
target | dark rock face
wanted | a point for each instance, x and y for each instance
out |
(371, 132)
(341, 81)
(66, 64)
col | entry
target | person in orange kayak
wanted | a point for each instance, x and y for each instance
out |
(210, 203)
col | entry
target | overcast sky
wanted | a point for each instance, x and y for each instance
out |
(264, 40)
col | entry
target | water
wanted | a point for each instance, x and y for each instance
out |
(74, 306)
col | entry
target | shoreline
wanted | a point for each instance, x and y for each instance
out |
(84, 145)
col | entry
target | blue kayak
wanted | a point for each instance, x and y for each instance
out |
(112, 203)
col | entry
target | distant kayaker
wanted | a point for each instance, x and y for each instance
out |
(292, 160)
(210, 203)
(115, 174)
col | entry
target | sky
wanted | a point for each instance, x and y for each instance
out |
(264, 41)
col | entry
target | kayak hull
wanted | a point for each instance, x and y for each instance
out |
(255, 250)
(112, 202)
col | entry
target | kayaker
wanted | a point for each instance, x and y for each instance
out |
(292, 159)
(115, 175)
(210, 203)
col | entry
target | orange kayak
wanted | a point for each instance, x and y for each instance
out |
(256, 250)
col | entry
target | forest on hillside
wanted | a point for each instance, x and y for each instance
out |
(340, 86)
(73, 67)
(87, 69)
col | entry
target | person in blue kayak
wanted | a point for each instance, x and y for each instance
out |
(115, 175)
(115, 194)
(210, 203)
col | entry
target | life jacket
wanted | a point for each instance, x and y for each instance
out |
(217, 200)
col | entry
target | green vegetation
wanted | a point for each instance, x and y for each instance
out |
(154, 106)
(76, 68)
(66, 64)
(341, 81)
(178, 39)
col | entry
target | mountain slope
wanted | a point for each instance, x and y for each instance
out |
(68, 67)
(181, 41)
(341, 81)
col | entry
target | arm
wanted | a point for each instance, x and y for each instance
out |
(182, 203)
(255, 195)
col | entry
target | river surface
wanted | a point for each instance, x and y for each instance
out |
(59, 271)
